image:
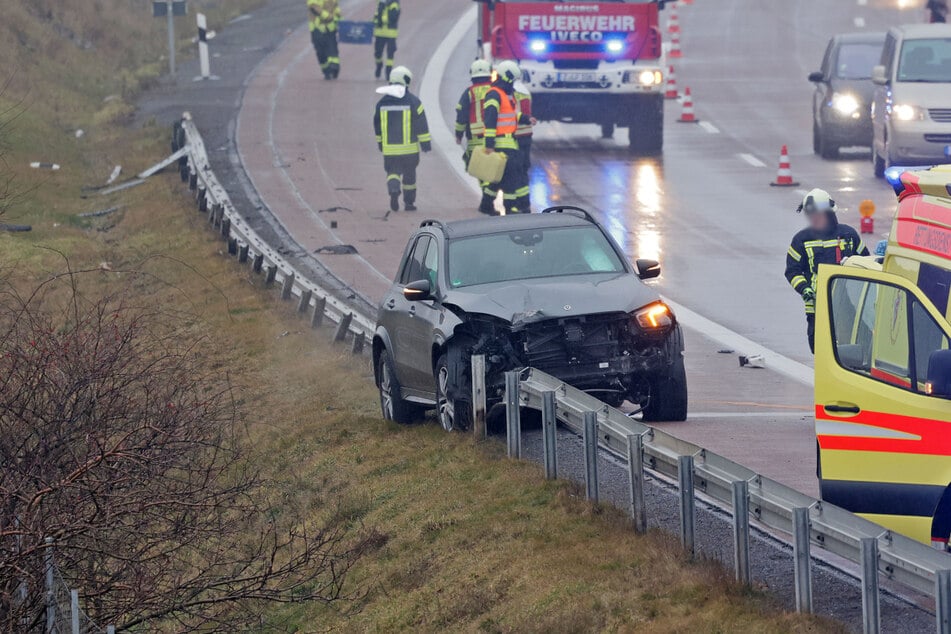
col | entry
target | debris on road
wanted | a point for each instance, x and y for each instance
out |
(99, 212)
(43, 165)
(726, 351)
(334, 210)
(752, 361)
(15, 228)
(114, 175)
(337, 249)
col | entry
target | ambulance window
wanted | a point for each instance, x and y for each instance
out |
(929, 338)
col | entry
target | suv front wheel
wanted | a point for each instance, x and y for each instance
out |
(453, 413)
(392, 404)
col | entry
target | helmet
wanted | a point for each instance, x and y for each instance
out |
(401, 75)
(480, 68)
(818, 200)
(508, 71)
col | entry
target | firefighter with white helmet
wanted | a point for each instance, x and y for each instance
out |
(501, 117)
(469, 124)
(401, 132)
(824, 241)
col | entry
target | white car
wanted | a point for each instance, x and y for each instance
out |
(911, 112)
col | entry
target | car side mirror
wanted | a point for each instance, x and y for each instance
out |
(878, 76)
(817, 77)
(647, 269)
(939, 374)
(418, 291)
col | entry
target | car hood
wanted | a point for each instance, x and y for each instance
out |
(527, 301)
(862, 88)
(921, 94)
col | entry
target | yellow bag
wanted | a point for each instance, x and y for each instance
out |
(487, 167)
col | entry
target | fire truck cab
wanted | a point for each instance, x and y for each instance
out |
(883, 369)
(585, 62)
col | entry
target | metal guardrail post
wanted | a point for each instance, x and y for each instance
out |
(192, 180)
(741, 531)
(871, 609)
(232, 246)
(304, 302)
(225, 226)
(243, 253)
(513, 415)
(550, 434)
(635, 473)
(591, 456)
(802, 560)
(343, 327)
(258, 263)
(202, 199)
(688, 505)
(477, 367)
(317, 318)
(357, 347)
(942, 598)
(287, 288)
(74, 611)
(271, 275)
(50, 595)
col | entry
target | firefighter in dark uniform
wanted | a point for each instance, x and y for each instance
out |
(324, 17)
(824, 241)
(501, 116)
(386, 25)
(401, 132)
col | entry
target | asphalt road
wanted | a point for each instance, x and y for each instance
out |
(297, 154)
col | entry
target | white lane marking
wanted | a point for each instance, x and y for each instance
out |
(445, 142)
(862, 3)
(756, 415)
(443, 138)
(752, 160)
(709, 127)
(859, 22)
(794, 370)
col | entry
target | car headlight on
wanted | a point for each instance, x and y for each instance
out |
(644, 77)
(654, 317)
(845, 104)
(906, 112)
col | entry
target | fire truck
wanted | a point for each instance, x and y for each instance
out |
(585, 62)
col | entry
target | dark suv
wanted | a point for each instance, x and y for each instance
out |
(550, 291)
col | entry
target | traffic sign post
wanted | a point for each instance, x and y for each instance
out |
(169, 9)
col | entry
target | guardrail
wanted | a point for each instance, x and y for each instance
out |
(251, 250)
(731, 486)
(878, 552)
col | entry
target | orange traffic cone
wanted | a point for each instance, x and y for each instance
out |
(784, 174)
(672, 92)
(687, 1)
(687, 115)
(675, 51)
(673, 22)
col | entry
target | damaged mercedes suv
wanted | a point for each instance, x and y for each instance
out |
(550, 291)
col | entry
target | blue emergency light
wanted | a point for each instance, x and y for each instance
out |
(615, 46)
(538, 46)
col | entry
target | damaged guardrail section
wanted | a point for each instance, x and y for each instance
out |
(250, 250)
(877, 552)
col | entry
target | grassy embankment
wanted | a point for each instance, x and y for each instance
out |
(465, 540)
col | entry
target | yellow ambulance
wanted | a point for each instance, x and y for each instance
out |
(883, 369)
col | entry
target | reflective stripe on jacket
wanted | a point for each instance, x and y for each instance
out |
(324, 15)
(386, 22)
(469, 111)
(400, 125)
(500, 115)
(809, 249)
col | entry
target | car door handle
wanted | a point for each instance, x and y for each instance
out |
(842, 408)
(391, 303)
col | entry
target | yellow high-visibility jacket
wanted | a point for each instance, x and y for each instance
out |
(324, 15)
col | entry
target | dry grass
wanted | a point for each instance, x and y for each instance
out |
(460, 538)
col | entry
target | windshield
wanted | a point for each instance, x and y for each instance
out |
(533, 253)
(855, 61)
(926, 61)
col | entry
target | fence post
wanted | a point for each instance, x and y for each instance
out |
(591, 455)
(871, 610)
(688, 508)
(803, 560)
(74, 610)
(513, 416)
(550, 435)
(478, 396)
(942, 599)
(50, 596)
(635, 472)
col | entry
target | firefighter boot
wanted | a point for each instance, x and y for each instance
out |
(487, 206)
(409, 197)
(393, 186)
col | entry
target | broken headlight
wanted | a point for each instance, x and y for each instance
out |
(654, 317)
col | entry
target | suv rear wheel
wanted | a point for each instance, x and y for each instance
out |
(453, 413)
(393, 406)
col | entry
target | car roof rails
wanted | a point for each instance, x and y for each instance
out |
(560, 209)
(433, 223)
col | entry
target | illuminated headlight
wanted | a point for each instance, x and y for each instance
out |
(538, 46)
(615, 46)
(654, 317)
(644, 77)
(905, 112)
(845, 104)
